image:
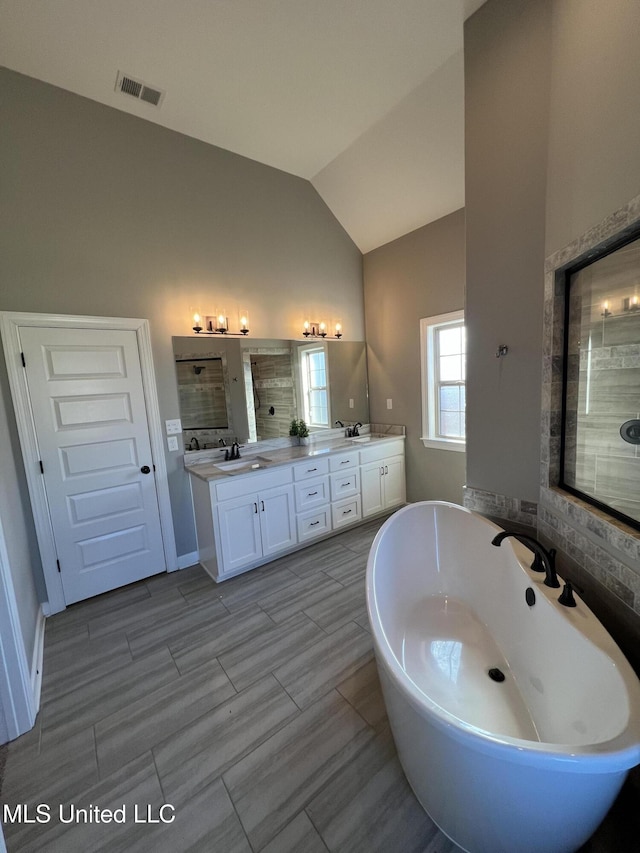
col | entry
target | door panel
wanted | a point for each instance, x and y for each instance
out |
(87, 399)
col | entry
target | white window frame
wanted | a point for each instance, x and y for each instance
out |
(430, 386)
(304, 351)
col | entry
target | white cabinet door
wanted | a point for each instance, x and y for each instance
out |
(372, 490)
(394, 482)
(277, 520)
(240, 539)
(383, 485)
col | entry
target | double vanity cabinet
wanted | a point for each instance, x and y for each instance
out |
(271, 505)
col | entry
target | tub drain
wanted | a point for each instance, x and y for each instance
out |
(496, 674)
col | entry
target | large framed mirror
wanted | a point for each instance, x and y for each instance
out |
(246, 390)
(600, 456)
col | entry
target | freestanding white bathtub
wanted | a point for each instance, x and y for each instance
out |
(531, 763)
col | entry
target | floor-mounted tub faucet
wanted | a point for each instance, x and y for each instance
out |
(542, 557)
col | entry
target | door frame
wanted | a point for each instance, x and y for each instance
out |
(18, 695)
(10, 323)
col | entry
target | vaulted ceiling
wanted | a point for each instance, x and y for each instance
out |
(364, 98)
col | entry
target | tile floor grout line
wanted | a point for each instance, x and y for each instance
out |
(233, 806)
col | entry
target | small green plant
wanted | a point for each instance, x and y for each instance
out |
(299, 428)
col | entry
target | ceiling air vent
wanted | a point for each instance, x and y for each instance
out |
(138, 89)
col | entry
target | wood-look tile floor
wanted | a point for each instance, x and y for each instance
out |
(252, 707)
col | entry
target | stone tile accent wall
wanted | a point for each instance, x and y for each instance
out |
(606, 549)
(501, 507)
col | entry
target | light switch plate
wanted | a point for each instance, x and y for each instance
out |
(351, 402)
(172, 442)
(173, 427)
(389, 403)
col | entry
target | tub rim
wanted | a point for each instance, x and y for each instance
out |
(616, 754)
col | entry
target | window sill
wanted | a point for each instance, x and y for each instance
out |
(444, 444)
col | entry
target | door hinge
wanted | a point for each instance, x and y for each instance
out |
(58, 565)
(24, 363)
(41, 466)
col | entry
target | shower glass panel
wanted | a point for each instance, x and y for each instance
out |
(601, 424)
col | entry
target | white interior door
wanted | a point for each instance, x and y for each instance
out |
(87, 399)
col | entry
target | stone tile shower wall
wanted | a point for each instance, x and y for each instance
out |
(607, 550)
(202, 394)
(273, 388)
(603, 464)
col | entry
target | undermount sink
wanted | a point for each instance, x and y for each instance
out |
(370, 436)
(243, 465)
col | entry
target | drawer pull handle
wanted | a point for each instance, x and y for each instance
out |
(345, 461)
(344, 485)
(386, 469)
(262, 502)
(255, 507)
(346, 512)
(313, 523)
(309, 470)
(311, 494)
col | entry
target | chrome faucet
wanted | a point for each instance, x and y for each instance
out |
(191, 447)
(355, 429)
(235, 451)
(340, 424)
(544, 561)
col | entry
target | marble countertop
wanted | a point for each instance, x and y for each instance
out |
(264, 455)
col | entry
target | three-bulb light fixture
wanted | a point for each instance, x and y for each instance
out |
(319, 330)
(218, 324)
(630, 304)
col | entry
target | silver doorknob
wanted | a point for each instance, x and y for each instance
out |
(145, 469)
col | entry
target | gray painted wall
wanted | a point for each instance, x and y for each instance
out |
(594, 132)
(507, 78)
(106, 214)
(419, 275)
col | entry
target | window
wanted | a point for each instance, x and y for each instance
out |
(315, 385)
(443, 347)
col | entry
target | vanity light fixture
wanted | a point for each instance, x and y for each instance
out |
(218, 324)
(319, 330)
(605, 309)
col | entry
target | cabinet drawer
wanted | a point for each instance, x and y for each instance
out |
(314, 523)
(342, 461)
(345, 484)
(250, 483)
(310, 469)
(345, 512)
(312, 493)
(383, 450)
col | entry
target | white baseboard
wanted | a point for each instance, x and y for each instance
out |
(37, 661)
(186, 560)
